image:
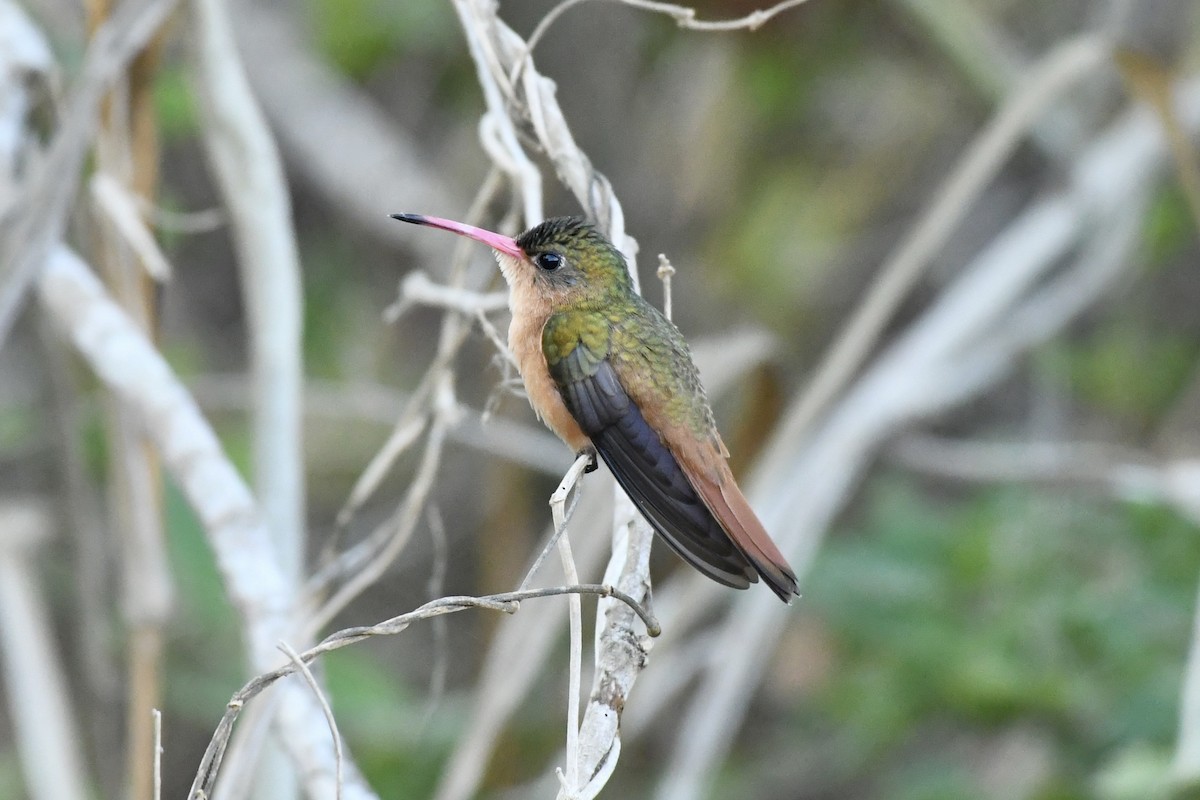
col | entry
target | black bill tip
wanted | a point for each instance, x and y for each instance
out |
(416, 219)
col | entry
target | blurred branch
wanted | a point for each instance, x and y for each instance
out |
(367, 561)
(1060, 70)
(332, 132)
(1185, 761)
(254, 190)
(974, 42)
(363, 564)
(39, 219)
(802, 483)
(685, 17)
(417, 289)
(120, 206)
(1126, 473)
(123, 359)
(375, 403)
(46, 735)
(25, 61)
(251, 179)
(126, 157)
(1151, 82)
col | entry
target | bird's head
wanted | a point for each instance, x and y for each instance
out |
(561, 260)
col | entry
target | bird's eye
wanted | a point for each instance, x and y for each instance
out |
(548, 261)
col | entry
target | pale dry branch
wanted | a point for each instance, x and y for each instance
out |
(40, 216)
(665, 273)
(684, 16)
(249, 174)
(507, 602)
(44, 727)
(130, 366)
(1039, 462)
(315, 687)
(158, 752)
(122, 209)
(417, 289)
(569, 778)
(375, 403)
(563, 503)
(1060, 70)
(255, 193)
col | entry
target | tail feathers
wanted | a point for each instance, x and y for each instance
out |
(727, 503)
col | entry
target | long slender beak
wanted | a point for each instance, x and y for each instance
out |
(496, 241)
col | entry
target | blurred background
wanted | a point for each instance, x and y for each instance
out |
(1004, 601)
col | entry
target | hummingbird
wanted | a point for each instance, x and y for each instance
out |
(608, 373)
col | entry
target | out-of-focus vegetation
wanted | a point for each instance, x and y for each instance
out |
(953, 640)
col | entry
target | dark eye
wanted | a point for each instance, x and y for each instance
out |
(548, 261)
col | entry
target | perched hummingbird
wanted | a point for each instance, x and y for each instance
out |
(611, 375)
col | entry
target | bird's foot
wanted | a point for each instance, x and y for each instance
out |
(592, 464)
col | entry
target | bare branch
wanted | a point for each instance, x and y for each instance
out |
(684, 16)
(665, 272)
(309, 679)
(128, 364)
(250, 175)
(41, 215)
(1058, 72)
(417, 288)
(44, 725)
(508, 602)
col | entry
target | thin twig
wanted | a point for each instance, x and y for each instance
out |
(435, 588)
(417, 289)
(559, 515)
(665, 273)
(507, 602)
(303, 669)
(453, 334)
(120, 206)
(575, 617)
(158, 753)
(684, 16)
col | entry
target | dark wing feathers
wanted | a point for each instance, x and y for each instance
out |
(645, 468)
